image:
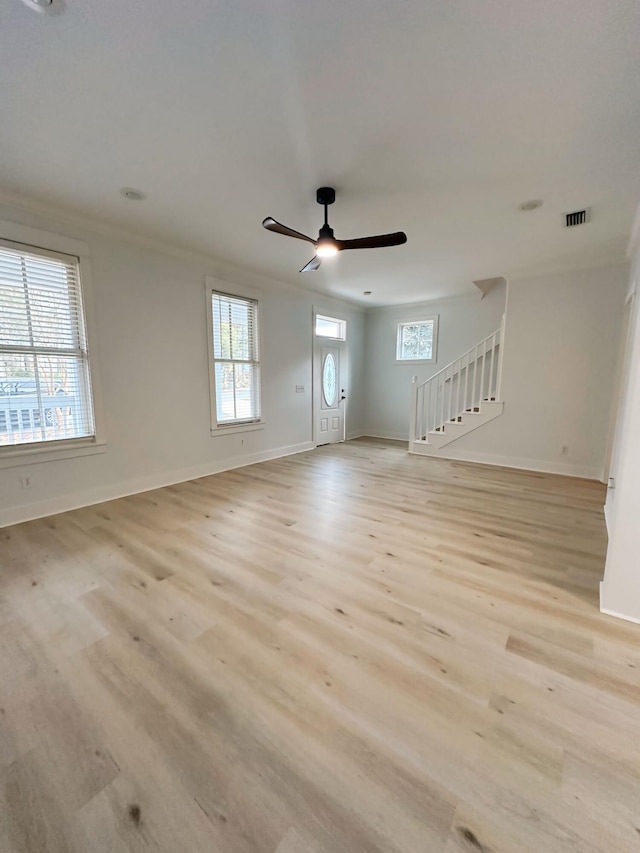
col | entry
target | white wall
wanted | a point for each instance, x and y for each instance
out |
(620, 589)
(151, 352)
(559, 363)
(463, 322)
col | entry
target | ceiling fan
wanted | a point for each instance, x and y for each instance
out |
(326, 244)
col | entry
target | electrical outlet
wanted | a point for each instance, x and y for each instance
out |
(565, 449)
(27, 482)
(299, 389)
(242, 442)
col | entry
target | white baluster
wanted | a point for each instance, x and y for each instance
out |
(493, 350)
(453, 398)
(500, 359)
(466, 385)
(475, 371)
(435, 405)
(424, 428)
(414, 410)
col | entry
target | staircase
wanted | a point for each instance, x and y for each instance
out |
(461, 397)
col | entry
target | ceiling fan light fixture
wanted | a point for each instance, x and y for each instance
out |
(326, 249)
(326, 245)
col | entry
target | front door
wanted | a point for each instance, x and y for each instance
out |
(329, 396)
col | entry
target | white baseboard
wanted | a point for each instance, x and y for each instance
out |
(113, 491)
(582, 471)
(585, 472)
(619, 615)
(615, 613)
(355, 434)
(390, 436)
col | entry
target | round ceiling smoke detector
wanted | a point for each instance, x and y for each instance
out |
(534, 204)
(48, 7)
(132, 195)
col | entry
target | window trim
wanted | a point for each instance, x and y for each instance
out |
(415, 321)
(214, 285)
(66, 448)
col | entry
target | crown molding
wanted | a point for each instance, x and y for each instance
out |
(217, 267)
(422, 303)
(558, 269)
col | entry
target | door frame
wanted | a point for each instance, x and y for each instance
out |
(316, 375)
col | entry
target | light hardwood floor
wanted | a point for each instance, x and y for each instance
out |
(347, 650)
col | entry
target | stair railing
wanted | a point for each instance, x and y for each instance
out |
(458, 388)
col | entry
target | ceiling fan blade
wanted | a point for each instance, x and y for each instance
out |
(313, 264)
(271, 225)
(379, 242)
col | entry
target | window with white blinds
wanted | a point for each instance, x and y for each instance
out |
(45, 386)
(236, 359)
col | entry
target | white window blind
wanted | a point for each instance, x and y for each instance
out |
(45, 387)
(236, 357)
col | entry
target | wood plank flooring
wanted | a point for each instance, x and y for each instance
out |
(348, 650)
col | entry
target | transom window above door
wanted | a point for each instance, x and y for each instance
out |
(417, 340)
(330, 327)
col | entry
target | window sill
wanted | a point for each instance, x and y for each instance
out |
(415, 361)
(232, 429)
(14, 456)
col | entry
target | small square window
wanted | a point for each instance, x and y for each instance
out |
(417, 340)
(330, 327)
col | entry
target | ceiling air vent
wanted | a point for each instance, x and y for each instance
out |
(577, 217)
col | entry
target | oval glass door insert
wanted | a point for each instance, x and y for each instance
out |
(329, 384)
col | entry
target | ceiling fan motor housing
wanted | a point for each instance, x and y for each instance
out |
(325, 195)
(326, 233)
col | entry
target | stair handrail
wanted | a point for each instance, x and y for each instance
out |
(459, 358)
(462, 396)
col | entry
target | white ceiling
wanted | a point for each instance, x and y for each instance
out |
(437, 117)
